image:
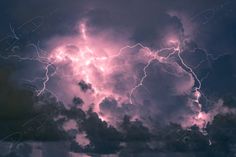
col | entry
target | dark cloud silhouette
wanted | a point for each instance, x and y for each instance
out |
(77, 101)
(131, 137)
(11, 96)
(84, 86)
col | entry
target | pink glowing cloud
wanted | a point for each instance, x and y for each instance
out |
(121, 71)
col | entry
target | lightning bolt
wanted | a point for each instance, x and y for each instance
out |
(176, 50)
(42, 60)
(154, 56)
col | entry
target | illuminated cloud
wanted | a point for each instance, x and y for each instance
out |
(152, 85)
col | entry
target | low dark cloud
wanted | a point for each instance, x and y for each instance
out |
(130, 137)
(77, 101)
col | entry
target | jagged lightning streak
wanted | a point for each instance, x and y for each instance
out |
(141, 81)
(47, 76)
(41, 59)
(176, 50)
(34, 24)
(197, 94)
(39, 92)
(154, 56)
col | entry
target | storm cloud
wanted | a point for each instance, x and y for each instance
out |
(120, 77)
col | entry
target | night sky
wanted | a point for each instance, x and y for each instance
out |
(118, 78)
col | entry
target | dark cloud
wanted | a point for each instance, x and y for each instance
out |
(20, 120)
(223, 69)
(15, 102)
(77, 101)
(134, 130)
(221, 132)
(130, 138)
(84, 86)
(22, 149)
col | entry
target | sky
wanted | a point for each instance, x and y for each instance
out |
(137, 77)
